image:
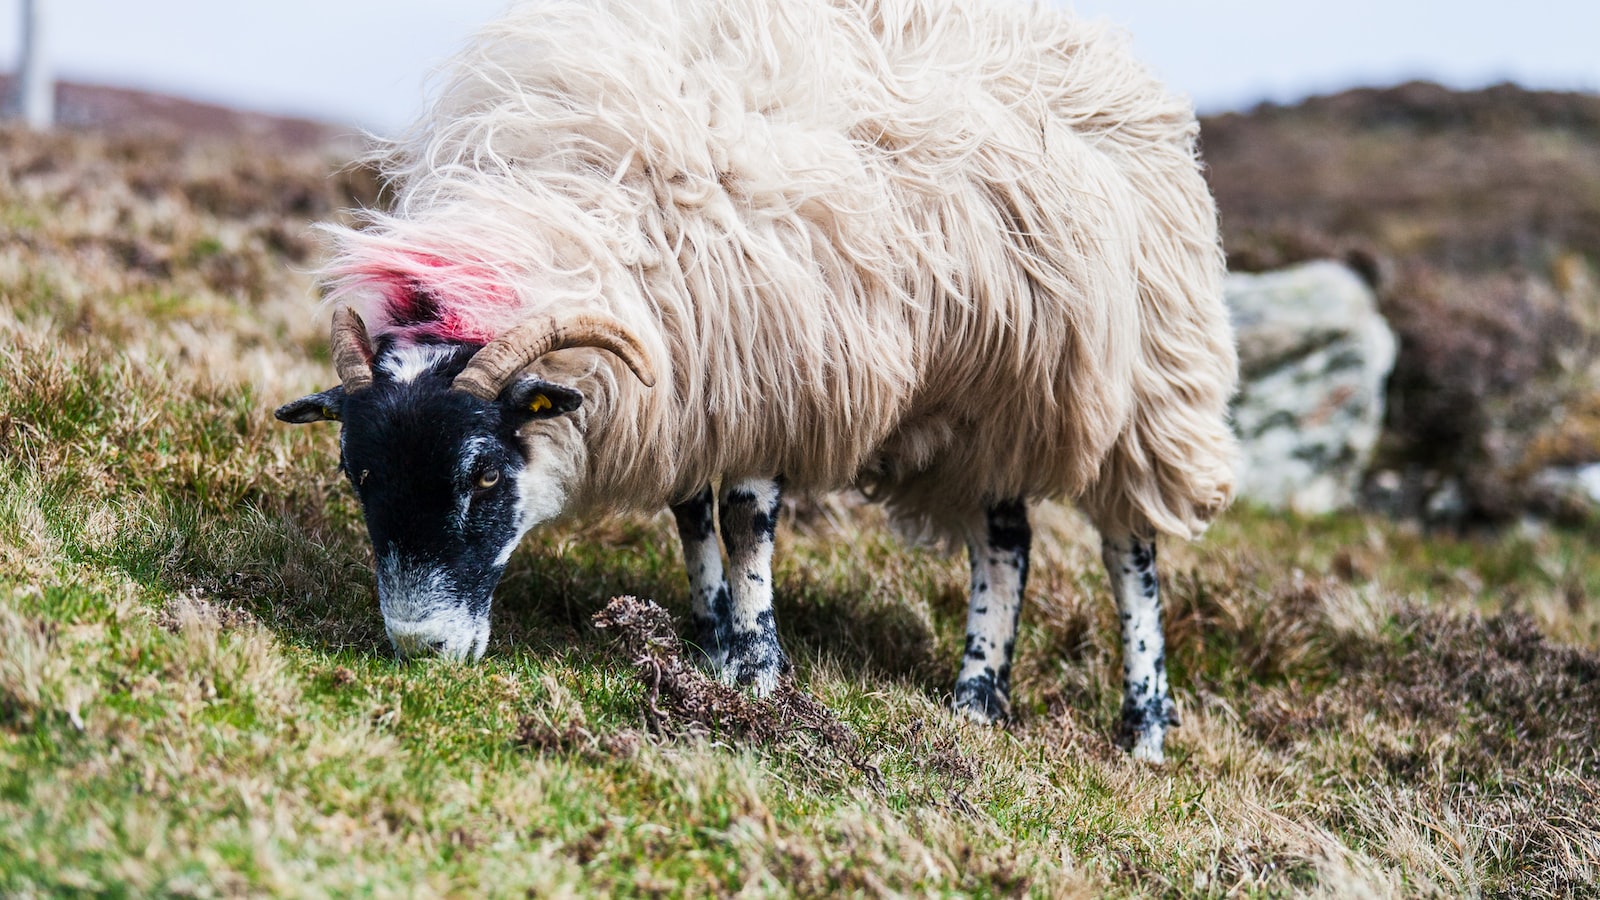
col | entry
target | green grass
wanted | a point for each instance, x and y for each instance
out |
(196, 697)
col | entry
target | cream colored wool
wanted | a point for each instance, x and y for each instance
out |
(948, 250)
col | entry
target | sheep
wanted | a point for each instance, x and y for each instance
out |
(958, 254)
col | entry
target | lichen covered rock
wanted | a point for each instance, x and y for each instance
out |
(1314, 354)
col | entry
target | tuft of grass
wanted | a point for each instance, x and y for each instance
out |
(195, 695)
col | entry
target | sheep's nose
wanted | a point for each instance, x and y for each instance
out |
(416, 640)
(447, 636)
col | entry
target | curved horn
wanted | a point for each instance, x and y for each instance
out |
(501, 359)
(352, 350)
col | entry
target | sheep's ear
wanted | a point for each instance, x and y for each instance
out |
(535, 398)
(327, 406)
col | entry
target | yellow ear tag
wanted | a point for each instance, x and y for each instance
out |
(538, 403)
(330, 413)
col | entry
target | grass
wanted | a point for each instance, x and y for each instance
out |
(195, 696)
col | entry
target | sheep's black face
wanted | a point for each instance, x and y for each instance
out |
(444, 487)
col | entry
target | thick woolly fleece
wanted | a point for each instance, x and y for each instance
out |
(951, 250)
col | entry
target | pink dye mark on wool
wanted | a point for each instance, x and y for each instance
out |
(428, 296)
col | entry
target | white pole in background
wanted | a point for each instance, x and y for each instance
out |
(34, 90)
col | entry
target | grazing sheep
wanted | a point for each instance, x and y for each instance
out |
(957, 253)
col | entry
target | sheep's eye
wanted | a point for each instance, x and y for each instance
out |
(488, 479)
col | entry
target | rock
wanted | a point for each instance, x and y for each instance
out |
(1313, 356)
(1447, 504)
(1567, 494)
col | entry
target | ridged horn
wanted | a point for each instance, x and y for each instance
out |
(493, 367)
(352, 350)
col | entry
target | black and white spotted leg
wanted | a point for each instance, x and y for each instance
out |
(999, 574)
(1147, 709)
(710, 606)
(749, 522)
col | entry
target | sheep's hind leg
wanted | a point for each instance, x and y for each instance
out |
(749, 522)
(999, 574)
(711, 608)
(1147, 709)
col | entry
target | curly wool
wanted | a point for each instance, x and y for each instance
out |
(948, 250)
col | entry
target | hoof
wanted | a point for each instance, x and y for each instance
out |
(1147, 747)
(755, 661)
(1144, 729)
(980, 700)
(712, 645)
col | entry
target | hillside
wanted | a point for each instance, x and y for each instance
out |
(1478, 216)
(115, 110)
(196, 696)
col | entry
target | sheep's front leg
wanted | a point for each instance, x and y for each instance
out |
(711, 608)
(999, 574)
(1147, 709)
(749, 522)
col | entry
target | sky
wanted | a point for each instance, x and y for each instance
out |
(365, 62)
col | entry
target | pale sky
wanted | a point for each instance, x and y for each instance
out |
(364, 62)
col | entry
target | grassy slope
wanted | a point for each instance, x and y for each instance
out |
(195, 697)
